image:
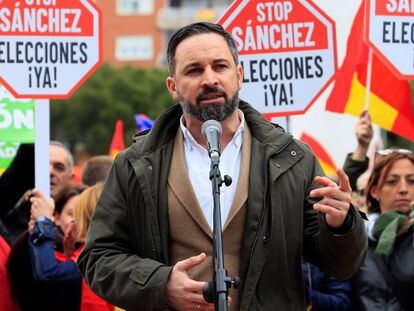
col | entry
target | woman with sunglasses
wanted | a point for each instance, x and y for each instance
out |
(386, 279)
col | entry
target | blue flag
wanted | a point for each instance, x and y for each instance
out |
(142, 122)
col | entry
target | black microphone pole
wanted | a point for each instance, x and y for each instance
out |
(220, 274)
(217, 290)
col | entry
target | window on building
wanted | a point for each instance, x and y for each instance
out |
(199, 3)
(134, 48)
(135, 7)
(175, 3)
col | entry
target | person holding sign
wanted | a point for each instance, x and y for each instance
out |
(18, 181)
(149, 244)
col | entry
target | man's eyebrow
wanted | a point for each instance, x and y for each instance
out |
(58, 163)
(191, 65)
(219, 60)
(196, 64)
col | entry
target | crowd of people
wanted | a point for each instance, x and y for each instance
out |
(295, 237)
(42, 237)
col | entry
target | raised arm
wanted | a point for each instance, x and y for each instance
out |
(356, 163)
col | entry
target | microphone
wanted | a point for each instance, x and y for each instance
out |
(211, 130)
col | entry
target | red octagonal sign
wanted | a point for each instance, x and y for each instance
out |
(48, 47)
(287, 50)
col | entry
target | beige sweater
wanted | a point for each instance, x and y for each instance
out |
(190, 233)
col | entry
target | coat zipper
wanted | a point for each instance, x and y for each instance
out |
(265, 191)
(155, 251)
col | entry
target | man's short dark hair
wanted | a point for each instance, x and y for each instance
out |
(193, 30)
(96, 169)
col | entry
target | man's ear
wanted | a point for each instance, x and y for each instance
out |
(71, 173)
(240, 74)
(172, 87)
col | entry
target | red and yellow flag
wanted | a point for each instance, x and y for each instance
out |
(324, 158)
(117, 143)
(390, 103)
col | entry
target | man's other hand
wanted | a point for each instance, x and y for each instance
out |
(184, 293)
(336, 199)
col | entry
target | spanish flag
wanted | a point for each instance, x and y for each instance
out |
(324, 158)
(117, 143)
(390, 103)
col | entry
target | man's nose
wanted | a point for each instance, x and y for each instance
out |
(209, 78)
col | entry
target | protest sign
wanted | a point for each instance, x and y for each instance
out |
(287, 50)
(8, 151)
(17, 121)
(389, 32)
(48, 47)
(16, 126)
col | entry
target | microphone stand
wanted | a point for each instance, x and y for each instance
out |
(217, 290)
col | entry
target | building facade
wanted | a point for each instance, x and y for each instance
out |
(136, 32)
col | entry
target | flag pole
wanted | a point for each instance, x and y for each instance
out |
(368, 78)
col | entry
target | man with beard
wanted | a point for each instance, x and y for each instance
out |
(149, 245)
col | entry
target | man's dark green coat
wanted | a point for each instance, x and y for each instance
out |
(126, 256)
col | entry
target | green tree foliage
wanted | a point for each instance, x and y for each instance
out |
(87, 120)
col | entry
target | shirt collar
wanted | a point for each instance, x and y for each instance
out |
(191, 143)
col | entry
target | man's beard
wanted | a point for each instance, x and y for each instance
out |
(214, 111)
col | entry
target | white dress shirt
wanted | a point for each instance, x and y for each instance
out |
(198, 167)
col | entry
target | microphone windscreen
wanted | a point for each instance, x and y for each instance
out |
(213, 124)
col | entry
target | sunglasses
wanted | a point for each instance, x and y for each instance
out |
(387, 152)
